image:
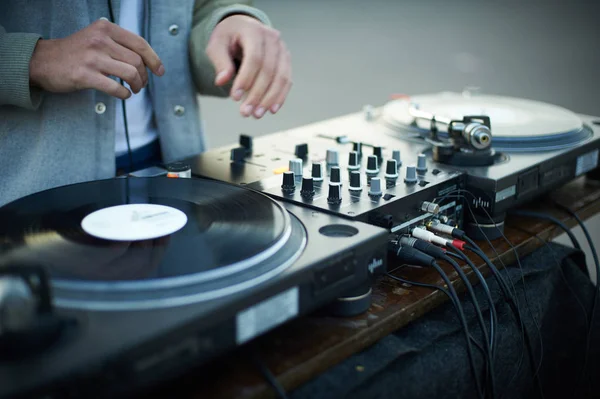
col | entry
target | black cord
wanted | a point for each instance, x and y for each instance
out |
(477, 307)
(123, 107)
(597, 267)
(433, 287)
(488, 294)
(550, 218)
(269, 376)
(463, 321)
(510, 298)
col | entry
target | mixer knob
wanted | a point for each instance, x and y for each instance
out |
(246, 142)
(411, 175)
(375, 189)
(358, 148)
(238, 154)
(296, 167)
(391, 169)
(422, 163)
(301, 150)
(396, 157)
(289, 183)
(372, 165)
(378, 152)
(334, 197)
(308, 189)
(353, 161)
(332, 157)
(335, 175)
(355, 181)
(317, 171)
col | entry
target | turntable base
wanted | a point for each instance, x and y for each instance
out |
(309, 346)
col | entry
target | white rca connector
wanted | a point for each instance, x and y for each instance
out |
(428, 236)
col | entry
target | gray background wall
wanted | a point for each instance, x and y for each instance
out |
(347, 53)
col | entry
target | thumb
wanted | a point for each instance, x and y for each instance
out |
(218, 53)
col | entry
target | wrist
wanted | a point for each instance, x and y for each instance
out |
(37, 64)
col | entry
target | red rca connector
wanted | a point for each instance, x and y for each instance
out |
(460, 244)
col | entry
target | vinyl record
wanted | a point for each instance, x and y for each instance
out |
(145, 234)
(518, 125)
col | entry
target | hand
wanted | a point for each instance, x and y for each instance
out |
(85, 59)
(265, 73)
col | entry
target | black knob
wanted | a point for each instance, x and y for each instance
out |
(357, 147)
(334, 197)
(301, 150)
(391, 169)
(353, 160)
(308, 189)
(378, 152)
(246, 142)
(335, 175)
(372, 167)
(289, 185)
(238, 154)
(317, 172)
(355, 181)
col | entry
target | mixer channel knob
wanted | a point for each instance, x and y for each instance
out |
(301, 150)
(375, 189)
(332, 157)
(378, 152)
(289, 183)
(396, 157)
(295, 165)
(308, 188)
(372, 165)
(411, 175)
(238, 154)
(317, 171)
(335, 176)
(355, 181)
(358, 148)
(391, 169)
(334, 197)
(246, 142)
(353, 161)
(422, 163)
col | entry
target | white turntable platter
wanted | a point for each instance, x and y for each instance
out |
(510, 117)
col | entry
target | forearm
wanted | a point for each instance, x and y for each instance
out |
(207, 14)
(16, 50)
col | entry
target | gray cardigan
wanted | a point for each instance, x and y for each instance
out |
(49, 140)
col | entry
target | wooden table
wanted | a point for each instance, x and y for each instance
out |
(304, 348)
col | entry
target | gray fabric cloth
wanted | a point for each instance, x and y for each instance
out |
(48, 139)
(427, 359)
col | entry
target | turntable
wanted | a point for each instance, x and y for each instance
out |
(116, 284)
(494, 152)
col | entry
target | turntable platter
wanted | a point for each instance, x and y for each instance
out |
(216, 234)
(517, 124)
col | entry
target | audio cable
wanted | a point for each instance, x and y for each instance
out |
(123, 107)
(413, 256)
(438, 253)
(576, 244)
(511, 297)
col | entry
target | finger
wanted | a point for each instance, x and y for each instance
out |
(120, 53)
(139, 46)
(253, 48)
(107, 85)
(275, 96)
(220, 56)
(122, 70)
(264, 79)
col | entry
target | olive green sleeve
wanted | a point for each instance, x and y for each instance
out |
(15, 54)
(207, 14)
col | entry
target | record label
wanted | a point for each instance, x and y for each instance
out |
(134, 222)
